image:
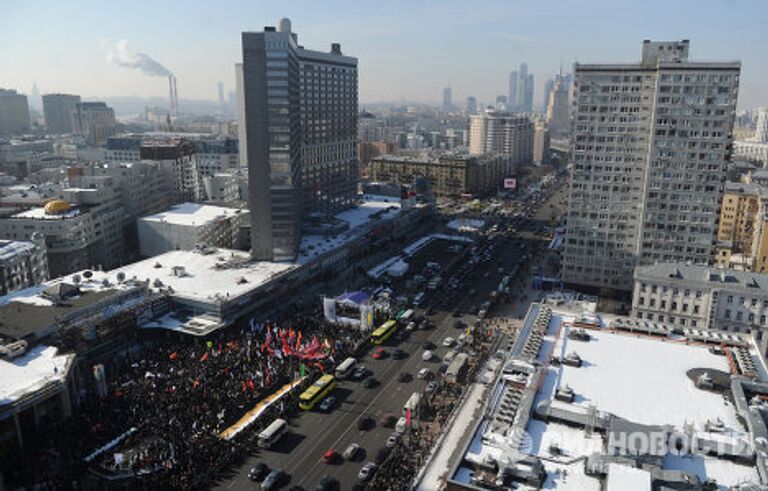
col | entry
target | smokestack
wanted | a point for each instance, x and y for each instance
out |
(173, 96)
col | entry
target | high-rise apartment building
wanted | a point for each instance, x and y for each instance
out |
(298, 131)
(22, 263)
(549, 87)
(95, 121)
(559, 110)
(447, 99)
(500, 132)
(58, 110)
(471, 107)
(14, 112)
(541, 140)
(512, 96)
(651, 143)
(755, 149)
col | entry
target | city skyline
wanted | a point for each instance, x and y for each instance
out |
(403, 57)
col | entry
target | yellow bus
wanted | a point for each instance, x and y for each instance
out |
(384, 331)
(316, 392)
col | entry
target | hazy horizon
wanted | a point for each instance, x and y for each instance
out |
(408, 52)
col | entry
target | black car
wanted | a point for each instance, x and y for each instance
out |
(382, 454)
(404, 377)
(365, 422)
(258, 471)
(428, 345)
(399, 354)
(327, 483)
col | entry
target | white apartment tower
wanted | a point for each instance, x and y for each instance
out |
(500, 132)
(651, 143)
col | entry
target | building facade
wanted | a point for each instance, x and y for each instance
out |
(741, 229)
(702, 297)
(191, 225)
(447, 175)
(559, 110)
(94, 121)
(58, 110)
(14, 112)
(298, 131)
(22, 264)
(650, 150)
(541, 139)
(500, 132)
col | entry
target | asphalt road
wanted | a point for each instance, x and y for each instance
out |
(311, 433)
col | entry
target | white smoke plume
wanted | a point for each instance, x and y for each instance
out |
(121, 55)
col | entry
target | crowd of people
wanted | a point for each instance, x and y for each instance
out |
(180, 396)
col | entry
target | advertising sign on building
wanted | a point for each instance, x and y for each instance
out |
(510, 183)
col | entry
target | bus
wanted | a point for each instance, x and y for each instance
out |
(346, 366)
(456, 370)
(272, 433)
(383, 333)
(413, 403)
(316, 392)
(406, 316)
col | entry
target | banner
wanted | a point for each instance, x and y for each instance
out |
(510, 183)
(329, 309)
(366, 317)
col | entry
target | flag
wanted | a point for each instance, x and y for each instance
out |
(302, 369)
(196, 383)
(173, 356)
(204, 357)
(408, 417)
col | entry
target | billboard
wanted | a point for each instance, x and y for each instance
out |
(510, 183)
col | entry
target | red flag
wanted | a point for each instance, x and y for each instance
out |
(320, 366)
(204, 357)
(173, 356)
(408, 417)
(269, 380)
(251, 385)
(195, 384)
(298, 342)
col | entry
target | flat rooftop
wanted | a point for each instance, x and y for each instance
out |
(627, 382)
(40, 214)
(37, 368)
(372, 208)
(193, 214)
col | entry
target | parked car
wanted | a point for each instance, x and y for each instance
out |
(388, 420)
(379, 353)
(366, 473)
(448, 342)
(428, 345)
(273, 479)
(365, 422)
(427, 355)
(360, 372)
(424, 373)
(327, 404)
(327, 483)
(393, 440)
(258, 471)
(351, 451)
(370, 383)
(399, 354)
(403, 377)
(329, 456)
(431, 387)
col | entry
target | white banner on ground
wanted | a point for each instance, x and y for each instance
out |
(329, 309)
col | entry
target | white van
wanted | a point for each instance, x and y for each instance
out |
(401, 425)
(272, 433)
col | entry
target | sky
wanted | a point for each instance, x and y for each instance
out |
(407, 50)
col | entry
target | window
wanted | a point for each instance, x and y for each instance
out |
(641, 301)
(728, 314)
(694, 323)
(663, 304)
(695, 309)
(730, 298)
(739, 315)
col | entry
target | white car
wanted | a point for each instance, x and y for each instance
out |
(424, 373)
(448, 342)
(428, 355)
(366, 472)
(351, 451)
(393, 440)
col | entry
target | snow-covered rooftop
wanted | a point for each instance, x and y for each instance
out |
(12, 248)
(223, 273)
(373, 208)
(192, 214)
(34, 370)
(466, 224)
(40, 214)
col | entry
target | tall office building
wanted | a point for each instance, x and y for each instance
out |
(651, 143)
(549, 86)
(471, 105)
(559, 110)
(447, 99)
(95, 121)
(14, 112)
(498, 132)
(58, 109)
(298, 132)
(501, 103)
(761, 132)
(512, 96)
